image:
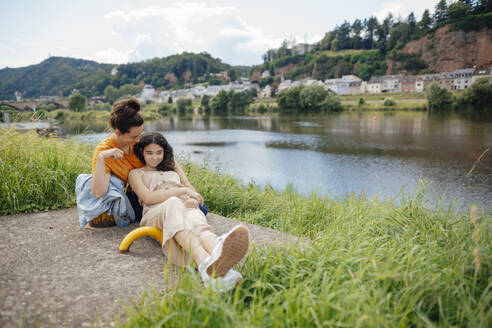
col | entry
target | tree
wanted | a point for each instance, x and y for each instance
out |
(170, 100)
(457, 10)
(477, 99)
(356, 32)
(412, 23)
(311, 98)
(371, 26)
(220, 102)
(426, 21)
(111, 94)
(438, 99)
(232, 73)
(184, 104)
(76, 102)
(440, 13)
(205, 103)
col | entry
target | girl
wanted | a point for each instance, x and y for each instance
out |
(171, 206)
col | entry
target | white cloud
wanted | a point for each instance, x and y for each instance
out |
(195, 27)
(112, 56)
(402, 8)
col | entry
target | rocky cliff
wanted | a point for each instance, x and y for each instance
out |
(447, 50)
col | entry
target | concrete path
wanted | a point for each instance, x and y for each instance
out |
(53, 273)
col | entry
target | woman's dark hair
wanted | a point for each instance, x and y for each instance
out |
(125, 115)
(148, 138)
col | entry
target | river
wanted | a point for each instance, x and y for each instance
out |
(382, 155)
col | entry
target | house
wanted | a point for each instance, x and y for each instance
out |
(446, 80)
(408, 83)
(147, 93)
(374, 84)
(114, 70)
(391, 83)
(419, 84)
(284, 85)
(338, 86)
(429, 79)
(463, 78)
(265, 92)
(265, 74)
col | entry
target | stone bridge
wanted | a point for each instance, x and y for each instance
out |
(29, 105)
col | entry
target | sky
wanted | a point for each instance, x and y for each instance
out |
(122, 31)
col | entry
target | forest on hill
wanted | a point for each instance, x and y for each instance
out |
(60, 75)
(364, 46)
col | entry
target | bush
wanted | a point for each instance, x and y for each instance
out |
(163, 109)
(311, 98)
(477, 99)
(361, 101)
(389, 102)
(184, 105)
(438, 99)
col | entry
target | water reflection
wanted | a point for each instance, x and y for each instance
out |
(379, 154)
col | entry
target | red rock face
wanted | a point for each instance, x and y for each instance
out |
(447, 50)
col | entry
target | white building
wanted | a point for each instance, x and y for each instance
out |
(265, 92)
(374, 85)
(265, 74)
(419, 84)
(391, 83)
(147, 93)
(284, 85)
(463, 78)
(338, 86)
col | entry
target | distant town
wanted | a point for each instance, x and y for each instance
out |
(346, 85)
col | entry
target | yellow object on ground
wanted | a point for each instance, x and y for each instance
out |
(137, 233)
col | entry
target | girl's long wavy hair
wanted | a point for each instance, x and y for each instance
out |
(167, 163)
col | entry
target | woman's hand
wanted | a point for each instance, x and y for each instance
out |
(111, 153)
(193, 194)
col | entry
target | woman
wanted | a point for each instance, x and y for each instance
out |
(186, 233)
(115, 156)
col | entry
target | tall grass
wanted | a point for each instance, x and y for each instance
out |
(38, 173)
(369, 264)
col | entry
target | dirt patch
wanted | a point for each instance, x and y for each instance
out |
(54, 273)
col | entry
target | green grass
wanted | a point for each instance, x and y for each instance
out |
(368, 263)
(38, 173)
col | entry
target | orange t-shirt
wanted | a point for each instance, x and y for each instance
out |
(119, 167)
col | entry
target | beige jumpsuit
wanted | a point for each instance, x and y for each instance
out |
(171, 216)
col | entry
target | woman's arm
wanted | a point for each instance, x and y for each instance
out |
(100, 179)
(153, 197)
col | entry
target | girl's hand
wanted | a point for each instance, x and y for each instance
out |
(111, 153)
(195, 195)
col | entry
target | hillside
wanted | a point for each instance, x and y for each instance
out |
(453, 38)
(50, 77)
(448, 50)
(57, 75)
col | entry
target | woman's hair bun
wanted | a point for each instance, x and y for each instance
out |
(133, 104)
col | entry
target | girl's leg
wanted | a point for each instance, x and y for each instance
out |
(208, 240)
(190, 243)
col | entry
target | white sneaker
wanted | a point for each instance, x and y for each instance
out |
(232, 247)
(226, 283)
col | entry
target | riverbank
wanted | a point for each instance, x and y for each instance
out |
(370, 263)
